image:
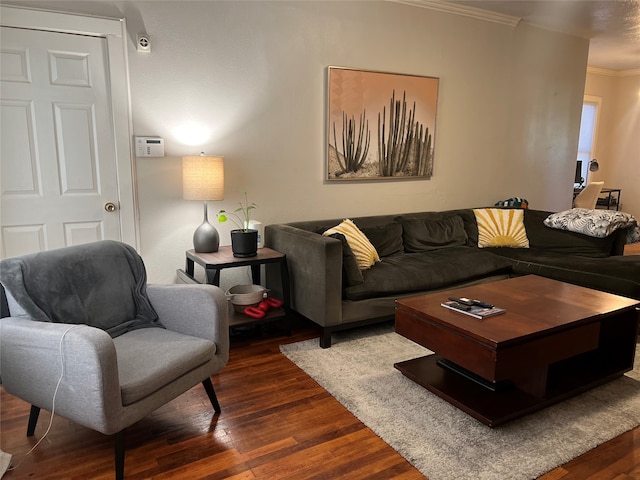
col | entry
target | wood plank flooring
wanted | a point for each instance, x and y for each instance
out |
(276, 423)
(633, 249)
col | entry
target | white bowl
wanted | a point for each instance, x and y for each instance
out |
(243, 296)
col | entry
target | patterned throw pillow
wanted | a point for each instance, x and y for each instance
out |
(499, 227)
(365, 252)
(594, 223)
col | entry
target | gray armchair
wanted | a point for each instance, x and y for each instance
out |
(83, 317)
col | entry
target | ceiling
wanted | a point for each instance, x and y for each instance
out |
(613, 26)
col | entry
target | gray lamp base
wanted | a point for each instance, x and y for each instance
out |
(206, 238)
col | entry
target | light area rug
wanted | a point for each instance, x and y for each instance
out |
(5, 461)
(443, 442)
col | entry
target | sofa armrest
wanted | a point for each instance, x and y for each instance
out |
(197, 310)
(33, 356)
(315, 272)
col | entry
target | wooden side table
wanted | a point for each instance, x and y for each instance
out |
(214, 263)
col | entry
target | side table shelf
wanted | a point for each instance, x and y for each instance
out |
(238, 319)
(214, 263)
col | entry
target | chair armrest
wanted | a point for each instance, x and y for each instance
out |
(34, 354)
(315, 270)
(198, 310)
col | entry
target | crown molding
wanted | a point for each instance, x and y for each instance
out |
(613, 73)
(64, 22)
(443, 6)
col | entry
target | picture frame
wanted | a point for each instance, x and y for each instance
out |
(380, 126)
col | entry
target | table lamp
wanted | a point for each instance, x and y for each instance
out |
(203, 179)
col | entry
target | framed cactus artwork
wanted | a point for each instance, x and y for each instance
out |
(381, 126)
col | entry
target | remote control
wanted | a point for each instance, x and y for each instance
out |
(482, 304)
(464, 301)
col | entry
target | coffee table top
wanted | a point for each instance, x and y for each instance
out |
(535, 306)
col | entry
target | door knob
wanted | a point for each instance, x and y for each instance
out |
(110, 207)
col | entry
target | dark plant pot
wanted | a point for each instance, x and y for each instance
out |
(244, 243)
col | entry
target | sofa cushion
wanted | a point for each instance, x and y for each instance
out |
(365, 252)
(415, 272)
(423, 235)
(387, 238)
(351, 274)
(562, 241)
(151, 358)
(498, 227)
(617, 274)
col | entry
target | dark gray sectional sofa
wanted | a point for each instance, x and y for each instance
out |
(430, 251)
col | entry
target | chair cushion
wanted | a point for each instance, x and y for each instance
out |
(150, 358)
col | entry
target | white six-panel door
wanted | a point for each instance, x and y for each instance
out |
(57, 151)
(88, 152)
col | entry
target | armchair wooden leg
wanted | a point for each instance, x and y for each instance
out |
(33, 420)
(208, 386)
(119, 455)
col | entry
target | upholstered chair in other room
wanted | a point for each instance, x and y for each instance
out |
(588, 197)
(81, 325)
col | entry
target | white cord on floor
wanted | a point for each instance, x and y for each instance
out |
(53, 400)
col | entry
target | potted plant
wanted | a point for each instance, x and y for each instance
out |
(244, 240)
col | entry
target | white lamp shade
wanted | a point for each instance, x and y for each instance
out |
(203, 177)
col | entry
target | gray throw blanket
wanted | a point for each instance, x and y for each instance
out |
(102, 284)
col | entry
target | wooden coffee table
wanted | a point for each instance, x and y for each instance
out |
(555, 341)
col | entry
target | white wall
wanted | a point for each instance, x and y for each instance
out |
(618, 136)
(254, 74)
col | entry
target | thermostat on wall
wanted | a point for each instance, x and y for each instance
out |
(149, 147)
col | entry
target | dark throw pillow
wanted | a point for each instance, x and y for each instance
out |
(351, 274)
(420, 235)
(387, 238)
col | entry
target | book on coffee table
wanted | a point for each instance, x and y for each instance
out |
(475, 311)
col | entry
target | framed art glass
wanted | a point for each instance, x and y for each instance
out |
(381, 126)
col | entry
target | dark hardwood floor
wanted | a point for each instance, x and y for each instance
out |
(276, 423)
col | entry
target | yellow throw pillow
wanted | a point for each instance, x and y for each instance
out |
(365, 253)
(499, 227)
